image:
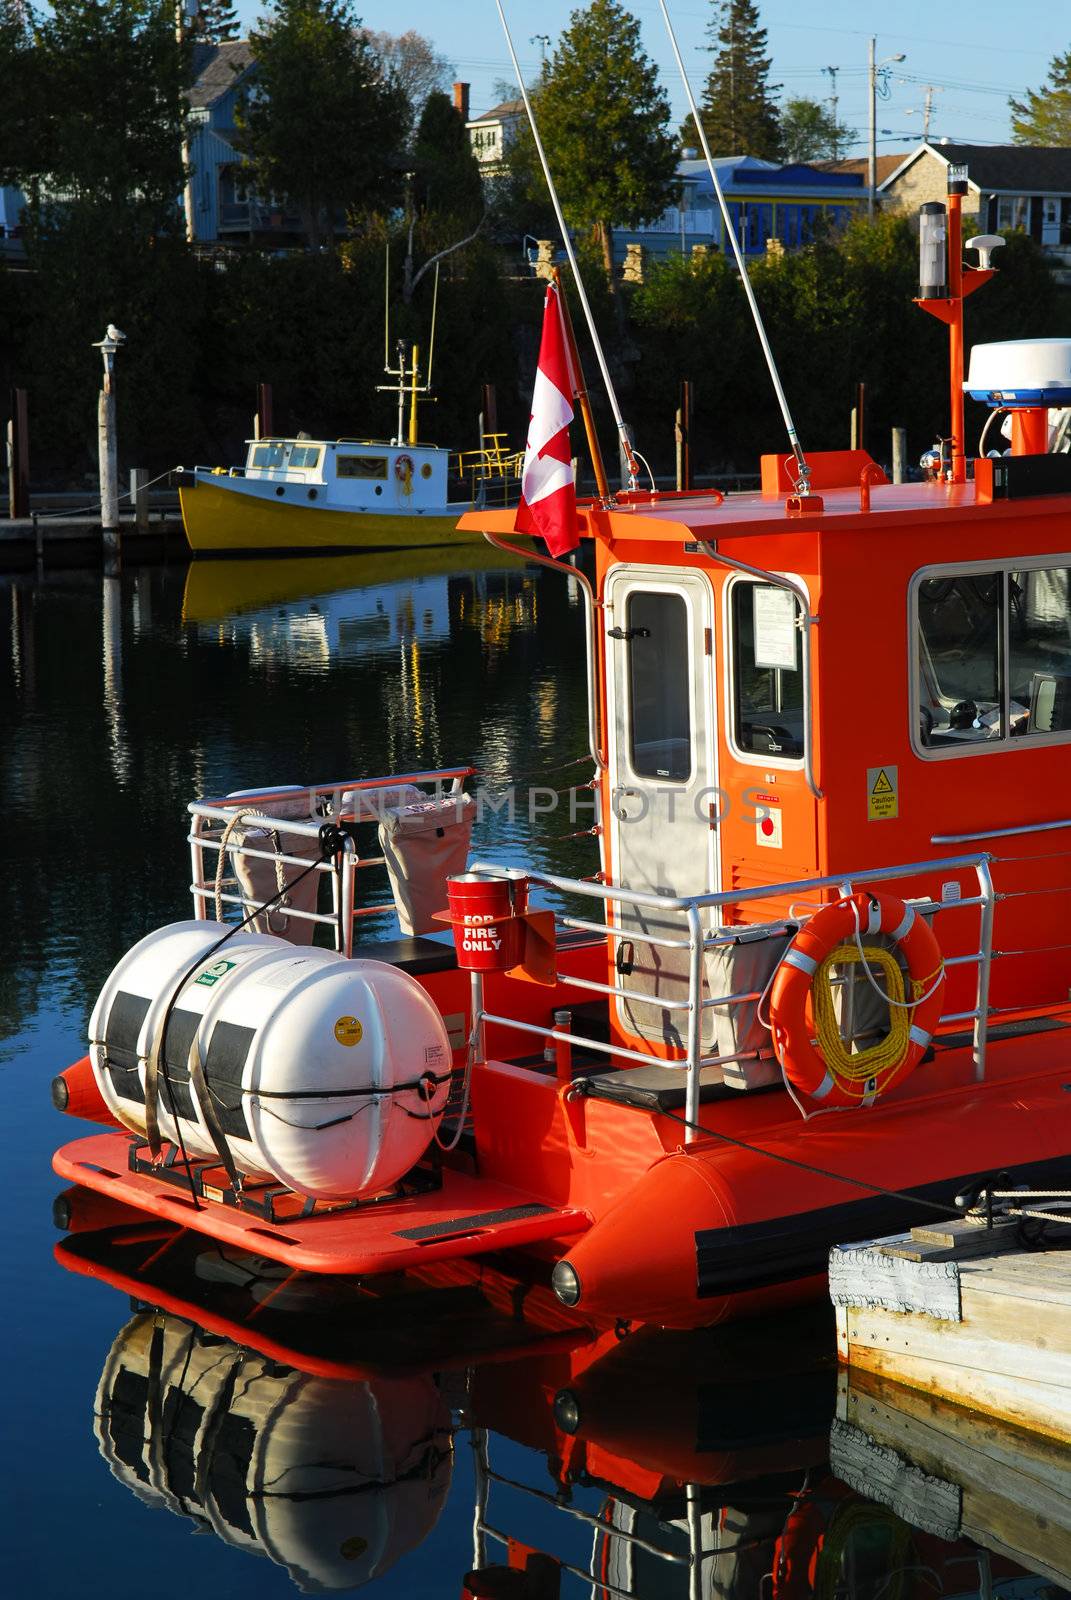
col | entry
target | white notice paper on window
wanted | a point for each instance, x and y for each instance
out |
(775, 628)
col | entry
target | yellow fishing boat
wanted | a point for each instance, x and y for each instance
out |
(349, 494)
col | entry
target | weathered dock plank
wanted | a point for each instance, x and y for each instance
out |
(990, 1331)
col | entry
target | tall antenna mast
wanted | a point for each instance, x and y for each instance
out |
(622, 430)
(803, 471)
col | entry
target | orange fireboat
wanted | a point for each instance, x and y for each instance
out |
(818, 990)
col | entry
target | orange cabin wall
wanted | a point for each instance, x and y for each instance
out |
(858, 570)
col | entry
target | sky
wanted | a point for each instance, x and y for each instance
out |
(974, 52)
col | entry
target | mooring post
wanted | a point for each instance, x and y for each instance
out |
(139, 495)
(899, 454)
(108, 446)
(18, 457)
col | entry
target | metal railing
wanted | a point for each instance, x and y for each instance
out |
(691, 908)
(701, 917)
(356, 800)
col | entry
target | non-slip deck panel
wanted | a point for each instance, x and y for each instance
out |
(1004, 1030)
(483, 1219)
(655, 1088)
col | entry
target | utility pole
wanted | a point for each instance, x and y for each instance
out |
(834, 101)
(543, 41)
(873, 69)
(927, 109)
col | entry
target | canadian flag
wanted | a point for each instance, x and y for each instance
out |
(548, 494)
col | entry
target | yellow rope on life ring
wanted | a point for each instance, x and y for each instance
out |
(878, 1061)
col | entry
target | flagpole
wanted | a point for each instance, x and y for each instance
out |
(582, 396)
(622, 429)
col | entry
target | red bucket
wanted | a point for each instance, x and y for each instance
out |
(486, 913)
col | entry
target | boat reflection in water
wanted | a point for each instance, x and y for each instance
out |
(318, 1423)
(353, 604)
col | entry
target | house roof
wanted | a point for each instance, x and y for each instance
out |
(885, 166)
(216, 68)
(750, 172)
(1001, 168)
(507, 108)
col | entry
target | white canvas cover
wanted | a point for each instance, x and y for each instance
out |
(423, 844)
(746, 966)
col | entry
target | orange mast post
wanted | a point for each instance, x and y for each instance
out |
(962, 281)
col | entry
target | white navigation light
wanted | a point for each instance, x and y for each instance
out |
(933, 234)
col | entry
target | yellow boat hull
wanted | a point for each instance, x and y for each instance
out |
(220, 519)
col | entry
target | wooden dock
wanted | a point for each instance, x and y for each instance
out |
(964, 1312)
(65, 541)
(954, 1474)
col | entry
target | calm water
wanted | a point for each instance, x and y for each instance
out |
(124, 1432)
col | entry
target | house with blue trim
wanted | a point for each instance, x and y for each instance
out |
(225, 206)
(769, 204)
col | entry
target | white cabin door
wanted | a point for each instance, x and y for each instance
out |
(663, 759)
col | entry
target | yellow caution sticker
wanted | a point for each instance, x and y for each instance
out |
(348, 1031)
(882, 794)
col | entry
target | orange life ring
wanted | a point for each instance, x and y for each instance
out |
(403, 468)
(843, 1079)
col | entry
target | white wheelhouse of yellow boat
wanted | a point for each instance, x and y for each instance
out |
(299, 494)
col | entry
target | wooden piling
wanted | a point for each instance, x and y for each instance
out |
(139, 496)
(109, 473)
(265, 420)
(18, 456)
(899, 455)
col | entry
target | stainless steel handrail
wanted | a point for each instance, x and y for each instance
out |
(1000, 833)
(692, 906)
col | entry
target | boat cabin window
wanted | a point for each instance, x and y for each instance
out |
(993, 656)
(660, 731)
(286, 455)
(361, 466)
(269, 455)
(767, 656)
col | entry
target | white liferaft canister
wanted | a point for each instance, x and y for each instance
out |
(326, 1074)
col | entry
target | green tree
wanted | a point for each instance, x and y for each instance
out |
(22, 118)
(604, 119)
(738, 110)
(446, 174)
(1044, 117)
(102, 116)
(214, 22)
(323, 125)
(809, 131)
